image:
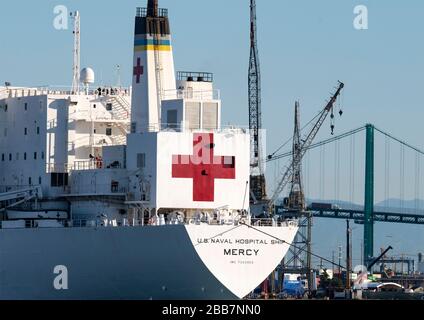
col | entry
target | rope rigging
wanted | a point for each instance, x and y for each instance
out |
(417, 180)
(338, 106)
(322, 172)
(387, 168)
(294, 246)
(276, 238)
(319, 144)
(400, 141)
(271, 156)
(352, 169)
(402, 178)
(337, 170)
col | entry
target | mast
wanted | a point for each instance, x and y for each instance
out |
(77, 53)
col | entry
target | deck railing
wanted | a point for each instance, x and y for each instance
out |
(62, 90)
(184, 126)
(106, 223)
(201, 95)
(144, 12)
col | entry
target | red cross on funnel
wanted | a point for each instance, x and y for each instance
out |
(138, 70)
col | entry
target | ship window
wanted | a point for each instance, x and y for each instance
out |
(172, 117)
(108, 106)
(25, 131)
(38, 130)
(192, 116)
(108, 131)
(35, 155)
(26, 106)
(5, 108)
(30, 181)
(39, 180)
(94, 106)
(2, 157)
(141, 160)
(10, 157)
(42, 155)
(25, 157)
(94, 131)
(210, 116)
(59, 179)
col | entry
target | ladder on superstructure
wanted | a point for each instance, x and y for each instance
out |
(158, 66)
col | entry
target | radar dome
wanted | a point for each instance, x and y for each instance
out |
(87, 76)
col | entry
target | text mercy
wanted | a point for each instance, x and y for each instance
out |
(241, 252)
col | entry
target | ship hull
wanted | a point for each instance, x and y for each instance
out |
(150, 262)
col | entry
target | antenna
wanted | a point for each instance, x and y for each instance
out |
(118, 71)
(77, 53)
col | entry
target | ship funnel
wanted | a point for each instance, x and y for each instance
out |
(153, 67)
(152, 8)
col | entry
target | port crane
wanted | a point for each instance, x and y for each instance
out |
(294, 204)
(257, 175)
(304, 145)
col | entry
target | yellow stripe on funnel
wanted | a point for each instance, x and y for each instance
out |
(152, 48)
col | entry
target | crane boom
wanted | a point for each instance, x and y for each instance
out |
(372, 263)
(304, 147)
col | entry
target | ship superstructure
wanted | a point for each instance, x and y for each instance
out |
(47, 133)
(90, 176)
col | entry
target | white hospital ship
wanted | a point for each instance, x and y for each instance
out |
(138, 193)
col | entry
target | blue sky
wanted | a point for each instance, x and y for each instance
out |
(305, 46)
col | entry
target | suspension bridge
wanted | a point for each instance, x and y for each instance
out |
(376, 178)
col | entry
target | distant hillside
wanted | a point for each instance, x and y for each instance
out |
(405, 206)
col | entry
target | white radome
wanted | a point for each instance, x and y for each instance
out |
(87, 76)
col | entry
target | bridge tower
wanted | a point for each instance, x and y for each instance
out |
(369, 195)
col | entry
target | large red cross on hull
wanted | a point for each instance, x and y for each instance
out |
(203, 167)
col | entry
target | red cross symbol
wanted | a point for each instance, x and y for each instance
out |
(138, 70)
(203, 167)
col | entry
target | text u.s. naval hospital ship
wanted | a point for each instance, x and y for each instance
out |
(135, 193)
